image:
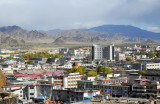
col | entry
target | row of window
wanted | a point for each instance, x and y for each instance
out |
(119, 81)
(154, 65)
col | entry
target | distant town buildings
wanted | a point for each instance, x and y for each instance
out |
(72, 75)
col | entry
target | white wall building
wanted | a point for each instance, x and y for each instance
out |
(32, 91)
(67, 81)
(103, 52)
(152, 66)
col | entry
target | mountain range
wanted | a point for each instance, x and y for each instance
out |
(101, 34)
(126, 30)
(18, 33)
(106, 33)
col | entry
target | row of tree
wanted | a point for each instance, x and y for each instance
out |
(41, 54)
(150, 54)
(82, 70)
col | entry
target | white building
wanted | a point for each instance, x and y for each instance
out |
(32, 91)
(103, 52)
(152, 66)
(67, 81)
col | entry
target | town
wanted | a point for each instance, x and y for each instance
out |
(92, 74)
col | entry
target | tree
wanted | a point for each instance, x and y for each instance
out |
(28, 61)
(142, 53)
(79, 69)
(128, 59)
(151, 54)
(57, 56)
(141, 72)
(107, 71)
(92, 73)
(104, 70)
(100, 69)
(73, 69)
(2, 79)
(84, 70)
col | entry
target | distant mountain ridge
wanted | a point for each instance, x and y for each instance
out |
(116, 33)
(18, 33)
(100, 34)
(78, 36)
(126, 30)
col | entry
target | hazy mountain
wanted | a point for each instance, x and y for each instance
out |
(106, 33)
(78, 36)
(51, 32)
(11, 42)
(18, 33)
(100, 34)
(126, 30)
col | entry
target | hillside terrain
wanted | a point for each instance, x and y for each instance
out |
(18, 33)
(14, 35)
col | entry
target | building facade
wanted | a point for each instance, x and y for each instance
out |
(67, 81)
(73, 95)
(103, 52)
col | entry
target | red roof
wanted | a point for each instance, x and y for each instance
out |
(75, 64)
(26, 75)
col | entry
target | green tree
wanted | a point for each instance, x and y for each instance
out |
(57, 56)
(141, 72)
(128, 59)
(142, 53)
(100, 69)
(28, 61)
(84, 70)
(107, 71)
(79, 69)
(92, 73)
(151, 54)
(1, 60)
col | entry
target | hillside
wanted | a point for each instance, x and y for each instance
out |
(126, 30)
(78, 36)
(18, 33)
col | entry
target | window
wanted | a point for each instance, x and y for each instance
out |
(31, 93)
(31, 97)
(31, 87)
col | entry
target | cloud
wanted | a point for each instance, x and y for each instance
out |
(154, 29)
(66, 14)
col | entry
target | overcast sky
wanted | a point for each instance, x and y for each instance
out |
(68, 14)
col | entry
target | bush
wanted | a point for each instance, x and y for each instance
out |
(128, 59)
(92, 73)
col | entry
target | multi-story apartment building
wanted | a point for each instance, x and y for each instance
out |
(110, 81)
(103, 52)
(113, 90)
(30, 92)
(151, 66)
(67, 81)
(142, 87)
(73, 95)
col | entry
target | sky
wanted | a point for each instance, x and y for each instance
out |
(75, 14)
